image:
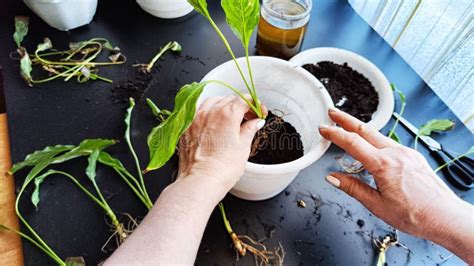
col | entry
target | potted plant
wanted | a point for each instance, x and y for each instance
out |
(64, 14)
(300, 98)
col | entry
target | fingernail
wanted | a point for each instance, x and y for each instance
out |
(333, 181)
(333, 110)
(260, 123)
(323, 126)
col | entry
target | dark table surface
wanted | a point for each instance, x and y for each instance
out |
(323, 233)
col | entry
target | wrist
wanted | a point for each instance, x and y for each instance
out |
(199, 186)
(453, 228)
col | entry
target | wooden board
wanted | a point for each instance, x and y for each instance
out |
(11, 252)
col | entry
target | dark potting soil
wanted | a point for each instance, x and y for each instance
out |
(279, 142)
(350, 91)
(131, 88)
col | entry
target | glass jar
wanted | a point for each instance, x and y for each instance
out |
(282, 27)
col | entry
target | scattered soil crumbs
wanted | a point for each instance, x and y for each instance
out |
(360, 223)
(135, 88)
(277, 142)
(350, 91)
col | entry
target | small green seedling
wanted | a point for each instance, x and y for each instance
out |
(172, 46)
(77, 62)
(435, 125)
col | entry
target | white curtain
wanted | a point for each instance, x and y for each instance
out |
(436, 38)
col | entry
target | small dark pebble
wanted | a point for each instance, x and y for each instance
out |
(360, 223)
(287, 193)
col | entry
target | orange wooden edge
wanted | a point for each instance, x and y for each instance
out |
(11, 252)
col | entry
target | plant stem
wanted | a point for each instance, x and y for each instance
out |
(134, 154)
(50, 252)
(157, 56)
(27, 237)
(251, 105)
(224, 218)
(85, 62)
(392, 131)
(229, 49)
(416, 141)
(147, 203)
(469, 152)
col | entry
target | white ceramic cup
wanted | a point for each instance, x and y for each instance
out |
(305, 103)
(362, 65)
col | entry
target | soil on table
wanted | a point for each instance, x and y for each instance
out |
(131, 88)
(277, 142)
(350, 91)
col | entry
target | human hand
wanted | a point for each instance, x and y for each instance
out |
(409, 195)
(217, 145)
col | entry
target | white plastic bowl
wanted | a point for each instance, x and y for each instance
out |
(287, 88)
(386, 100)
(64, 14)
(166, 8)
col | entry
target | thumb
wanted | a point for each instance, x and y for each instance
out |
(357, 189)
(249, 128)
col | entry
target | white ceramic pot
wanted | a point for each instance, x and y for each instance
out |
(64, 14)
(386, 100)
(166, 8)
(293, 90)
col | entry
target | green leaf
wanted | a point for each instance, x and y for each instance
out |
(35, 197)
(106, 159)
(163, 139)
(155, 110)
(40, 155)
(436, 125)
(86, 147)
(395, 137)
(200, 6)
(91, 170)
(21, 29)
(45, 45)
(25, 65)
(242, 16)
(128, 118)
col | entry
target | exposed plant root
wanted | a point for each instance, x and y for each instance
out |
(120, 232)
(349, 166)
(261, 139)
(262, 256)
(244, 243)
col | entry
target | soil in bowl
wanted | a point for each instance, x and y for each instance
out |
(350, 91)
(277, 142)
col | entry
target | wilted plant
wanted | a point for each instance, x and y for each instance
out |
(77, 62)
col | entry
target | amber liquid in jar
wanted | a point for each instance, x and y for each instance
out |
(280, 37)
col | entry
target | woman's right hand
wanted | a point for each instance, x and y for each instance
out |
(409, 195)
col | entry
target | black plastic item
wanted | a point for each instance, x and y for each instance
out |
(457, 172)
(323, 233)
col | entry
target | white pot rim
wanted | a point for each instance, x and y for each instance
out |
(309, 157)
(361, 64)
